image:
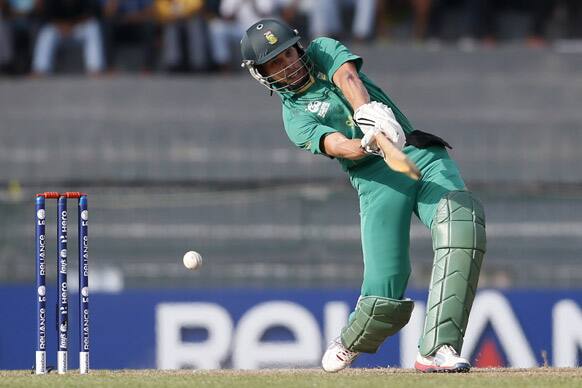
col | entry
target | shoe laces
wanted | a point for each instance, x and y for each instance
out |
(447, 350)
(345, 354)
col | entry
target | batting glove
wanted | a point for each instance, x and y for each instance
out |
(375, 115)
(369, 145)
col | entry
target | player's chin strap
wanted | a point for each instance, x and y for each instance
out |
(459, 243)
(310, 81)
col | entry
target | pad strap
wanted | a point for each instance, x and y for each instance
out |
(375, 319)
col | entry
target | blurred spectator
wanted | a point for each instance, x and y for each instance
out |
(323, 17)
(326, 17)
(234, 17)
(68, 20)
(18, 28)
(422, 11)
(573, 12)
(479, 18)
(185, 35)
(470, 23)
(5, 46)
(538, 12)
(365, 12)
(129, 21)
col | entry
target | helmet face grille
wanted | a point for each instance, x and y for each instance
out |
(285, 75)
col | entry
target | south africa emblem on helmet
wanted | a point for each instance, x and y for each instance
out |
(271, 38)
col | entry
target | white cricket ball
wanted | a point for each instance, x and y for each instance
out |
(192, 260)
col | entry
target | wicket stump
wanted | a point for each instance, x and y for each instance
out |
(62, 285)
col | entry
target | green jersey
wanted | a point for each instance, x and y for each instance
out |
(323, 109)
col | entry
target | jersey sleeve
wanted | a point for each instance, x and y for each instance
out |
(329, 54)
(305, 132)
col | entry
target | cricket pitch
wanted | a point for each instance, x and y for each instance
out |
(352, 378)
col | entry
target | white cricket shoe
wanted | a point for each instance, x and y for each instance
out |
(337, 357)
(446, 359)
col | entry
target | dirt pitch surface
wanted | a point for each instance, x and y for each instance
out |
(352, 378)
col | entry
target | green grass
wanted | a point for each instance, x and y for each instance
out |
(353, 378)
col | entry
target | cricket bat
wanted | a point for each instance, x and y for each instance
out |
(395, 159)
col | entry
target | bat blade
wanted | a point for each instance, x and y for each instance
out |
(396, 159)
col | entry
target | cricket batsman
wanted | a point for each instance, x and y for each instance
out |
(331, 108)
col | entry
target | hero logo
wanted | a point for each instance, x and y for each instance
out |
(64, 222)
(246, 348)
(64, 294)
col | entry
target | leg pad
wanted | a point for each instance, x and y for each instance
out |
(375, 319)
(459, 243)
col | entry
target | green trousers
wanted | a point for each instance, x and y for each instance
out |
(387, 201)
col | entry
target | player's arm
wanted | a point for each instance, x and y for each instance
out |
(382, 133)
(370, 116)
(336, 145)
(346, 78)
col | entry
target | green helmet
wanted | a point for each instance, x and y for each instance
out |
(262, 42)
